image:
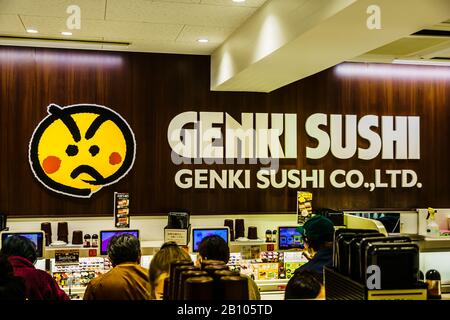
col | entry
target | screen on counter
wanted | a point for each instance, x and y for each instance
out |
(290, 238)
(199, 234)
(105, 237)
(36, 237)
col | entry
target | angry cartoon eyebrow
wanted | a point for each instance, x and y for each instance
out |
(94, 126)
(59, 113)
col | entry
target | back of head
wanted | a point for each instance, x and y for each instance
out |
(20, 246)
(303, 285)
(318, 231)
(169, 252)
(214, 248)
(124, 248)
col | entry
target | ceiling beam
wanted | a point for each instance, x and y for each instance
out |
(287, 40)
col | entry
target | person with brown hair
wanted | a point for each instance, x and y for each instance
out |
(160, 267)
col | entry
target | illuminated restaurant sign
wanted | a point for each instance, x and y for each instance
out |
(216, 138)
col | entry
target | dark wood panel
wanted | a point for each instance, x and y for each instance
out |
(150, 89)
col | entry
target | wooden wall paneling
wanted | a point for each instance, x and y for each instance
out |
(148, 90)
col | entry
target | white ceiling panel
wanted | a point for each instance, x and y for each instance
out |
(51, 26)
(51, 44)
(90, 9)
(177, 13)
(113, 30)
(134, 30)
(177, 1)
(213, 34)
(10, 23)
(150, 25)
(248, 3)
(166, 47)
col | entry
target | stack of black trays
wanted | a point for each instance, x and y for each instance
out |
(357, 249)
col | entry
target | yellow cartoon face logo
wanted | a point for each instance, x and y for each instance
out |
(78, 149)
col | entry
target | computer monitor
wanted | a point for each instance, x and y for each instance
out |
(289, 237)
(106, 235)
(198, 234)
(37, 237)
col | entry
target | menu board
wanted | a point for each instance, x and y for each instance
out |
(121, 210)
(304, 206)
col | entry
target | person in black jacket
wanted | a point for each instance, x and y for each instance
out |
(318, 234)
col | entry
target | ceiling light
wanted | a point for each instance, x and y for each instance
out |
(32, 31)
(386, 71)
(203, 40)
(421, 62)
(238, 1)
(66, 33)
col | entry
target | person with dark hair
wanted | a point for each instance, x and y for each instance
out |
(215, 248)
(305, 284)
(160, 267)
(127, 280)
(39, 285)
(11, 287)
(318, 233)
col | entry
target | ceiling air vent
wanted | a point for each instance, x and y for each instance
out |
(432, 33)
(75, 41)
(440, 58)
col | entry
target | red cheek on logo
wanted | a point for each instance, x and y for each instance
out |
(51, 164)
(115, 158)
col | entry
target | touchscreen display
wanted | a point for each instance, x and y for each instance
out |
(290, 238)
(200, 234)
(105, 237)
(36, 237)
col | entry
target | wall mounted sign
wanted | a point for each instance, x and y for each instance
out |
(67, 257)
(78, 149)
(121, 210)
(319, 160)
(304, 206)
(218, 139)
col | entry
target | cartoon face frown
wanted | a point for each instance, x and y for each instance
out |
(78, 149)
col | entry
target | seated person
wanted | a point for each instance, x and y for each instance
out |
(127, 280)
(305, 285)
(11, 287)
(39, 285)
(215, 248)
(160, 267)
(318, 233)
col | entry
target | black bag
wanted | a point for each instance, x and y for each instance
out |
(354, 261)
(362, 245)
(340, 254)
(398, 264)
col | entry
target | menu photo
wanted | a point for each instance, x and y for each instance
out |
(121, 210)
(304, 206)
